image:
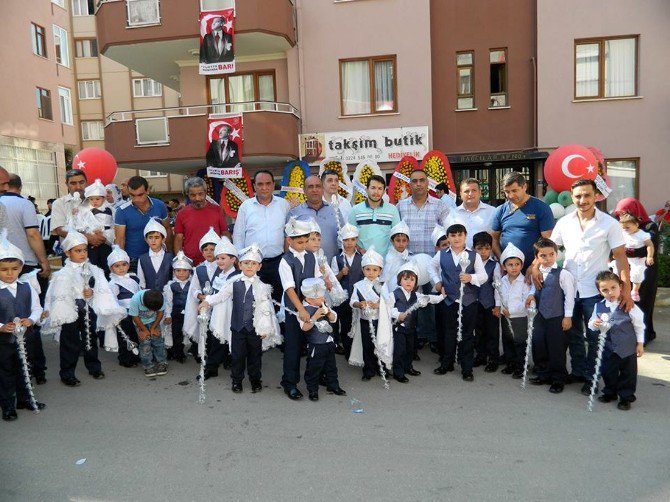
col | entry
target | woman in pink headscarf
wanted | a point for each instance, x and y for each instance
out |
(650, 284)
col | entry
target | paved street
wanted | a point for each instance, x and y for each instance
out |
(436, 438)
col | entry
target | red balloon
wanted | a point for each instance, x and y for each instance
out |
(601, 170)
(97, 164)
(567, 164)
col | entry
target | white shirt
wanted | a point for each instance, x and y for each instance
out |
(636, 316)
(568, 284)
(59, 211)
(479, 220)
(514, 295)
(477, 279)
(343, 208)
(636, 240)
(226, 291)
(156, 260)
(263, 225)
(348, 260)
(286, 274)
(35, 307)
(370, 295)
(587, 251)
(449, 201)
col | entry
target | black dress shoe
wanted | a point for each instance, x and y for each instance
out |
(208, 374)
(71, 382)
(314, 396)
(366, 378)
(479, 361)
(402, 379)
(491, 367)
(337, 392)
(98, 375)
(9, 415)
(413, 372)
(25, 405)
(467, 377)
(416, 357)
(507, 370)
(293, 394)
(236, 387)
(40, 380)
(623, 405)
(256, 386)
(556, 388)
(586, 389)
(440, 370)
(339, 350)
(517, 374)
(539, 381)
(606, 398)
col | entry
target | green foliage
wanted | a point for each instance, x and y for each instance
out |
(663, 271)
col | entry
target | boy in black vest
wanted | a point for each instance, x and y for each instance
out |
(124, 285)
(295, 266)
(624, 342)
(555, 302)
(175, 293)
(487, 329)
(348, 270)
(320, 343)
(155, 267)
(17, 299)
(451, 268)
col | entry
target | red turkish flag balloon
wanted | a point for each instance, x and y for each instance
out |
(567, 164)
(97, 164)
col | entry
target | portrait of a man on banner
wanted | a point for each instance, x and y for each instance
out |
(217, 50)
(225, 141)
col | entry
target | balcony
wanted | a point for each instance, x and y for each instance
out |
(154, 37)
(174, 140)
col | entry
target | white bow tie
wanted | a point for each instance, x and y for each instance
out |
(12, 286)
(609, 305)
(546, 270)
(299, 254)
(248, 280)
(154, 253)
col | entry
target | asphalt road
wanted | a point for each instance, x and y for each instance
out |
(436, 438)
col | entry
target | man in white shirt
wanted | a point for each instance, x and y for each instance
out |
(588, 236)
(475, 215)
(331, 184)
(260, 220)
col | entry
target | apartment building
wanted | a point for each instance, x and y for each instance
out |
(603, 70)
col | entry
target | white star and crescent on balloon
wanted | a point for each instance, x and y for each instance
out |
(81, 164)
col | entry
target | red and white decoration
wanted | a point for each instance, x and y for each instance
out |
(236, 139)
(97, 164)
(567, 164)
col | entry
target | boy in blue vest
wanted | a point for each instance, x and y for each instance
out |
(218, 352)
(17, 299)
(124, 285)
(320, 343)
(296, 265)
(155, 267)
(451, 268)
(555, 302)
(347, 268)
(146, 309)
(487, 329)
(175, 293)
(205, 272)
(624, 342)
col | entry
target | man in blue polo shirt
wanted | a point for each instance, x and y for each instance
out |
(131, 217)
(522, 219)
(374, 218)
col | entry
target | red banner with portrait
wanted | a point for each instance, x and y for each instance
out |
(217, 42)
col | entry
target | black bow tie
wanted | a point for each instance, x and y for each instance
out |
(107, 210)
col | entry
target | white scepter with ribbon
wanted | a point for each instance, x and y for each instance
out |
(132, 346)
(532, 312)
(497, 285)
(19, 333)
(86, 275)
(335, 202)
(369, 313)
(203, 322)
(604, 328)
(464, 263)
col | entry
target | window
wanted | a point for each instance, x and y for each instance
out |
(37, 169)
(152, 174)
(89, 89)
(65, 102)
(146, 88)
(465, 72)
(60, 3)
(92, 130)
(44, 103)
(87, 48)
(498, 69)
(142, 12)
(62, 46)
(368, 85)
(243, 88)
(39, 40)
(623, 175)
(153, 131)
(83, 7)
(606, 68)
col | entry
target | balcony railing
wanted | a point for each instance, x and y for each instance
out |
(201, 110)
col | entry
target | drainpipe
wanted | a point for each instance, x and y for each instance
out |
(301, 63)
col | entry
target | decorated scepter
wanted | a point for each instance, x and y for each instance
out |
(19, 333)
(203, 321)
(335, 202)
(464, 263)
(132, 346)
(86, 275)
(604, 328)
(497, 285)
(421, 302)
(532, 312)
(369, 313)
